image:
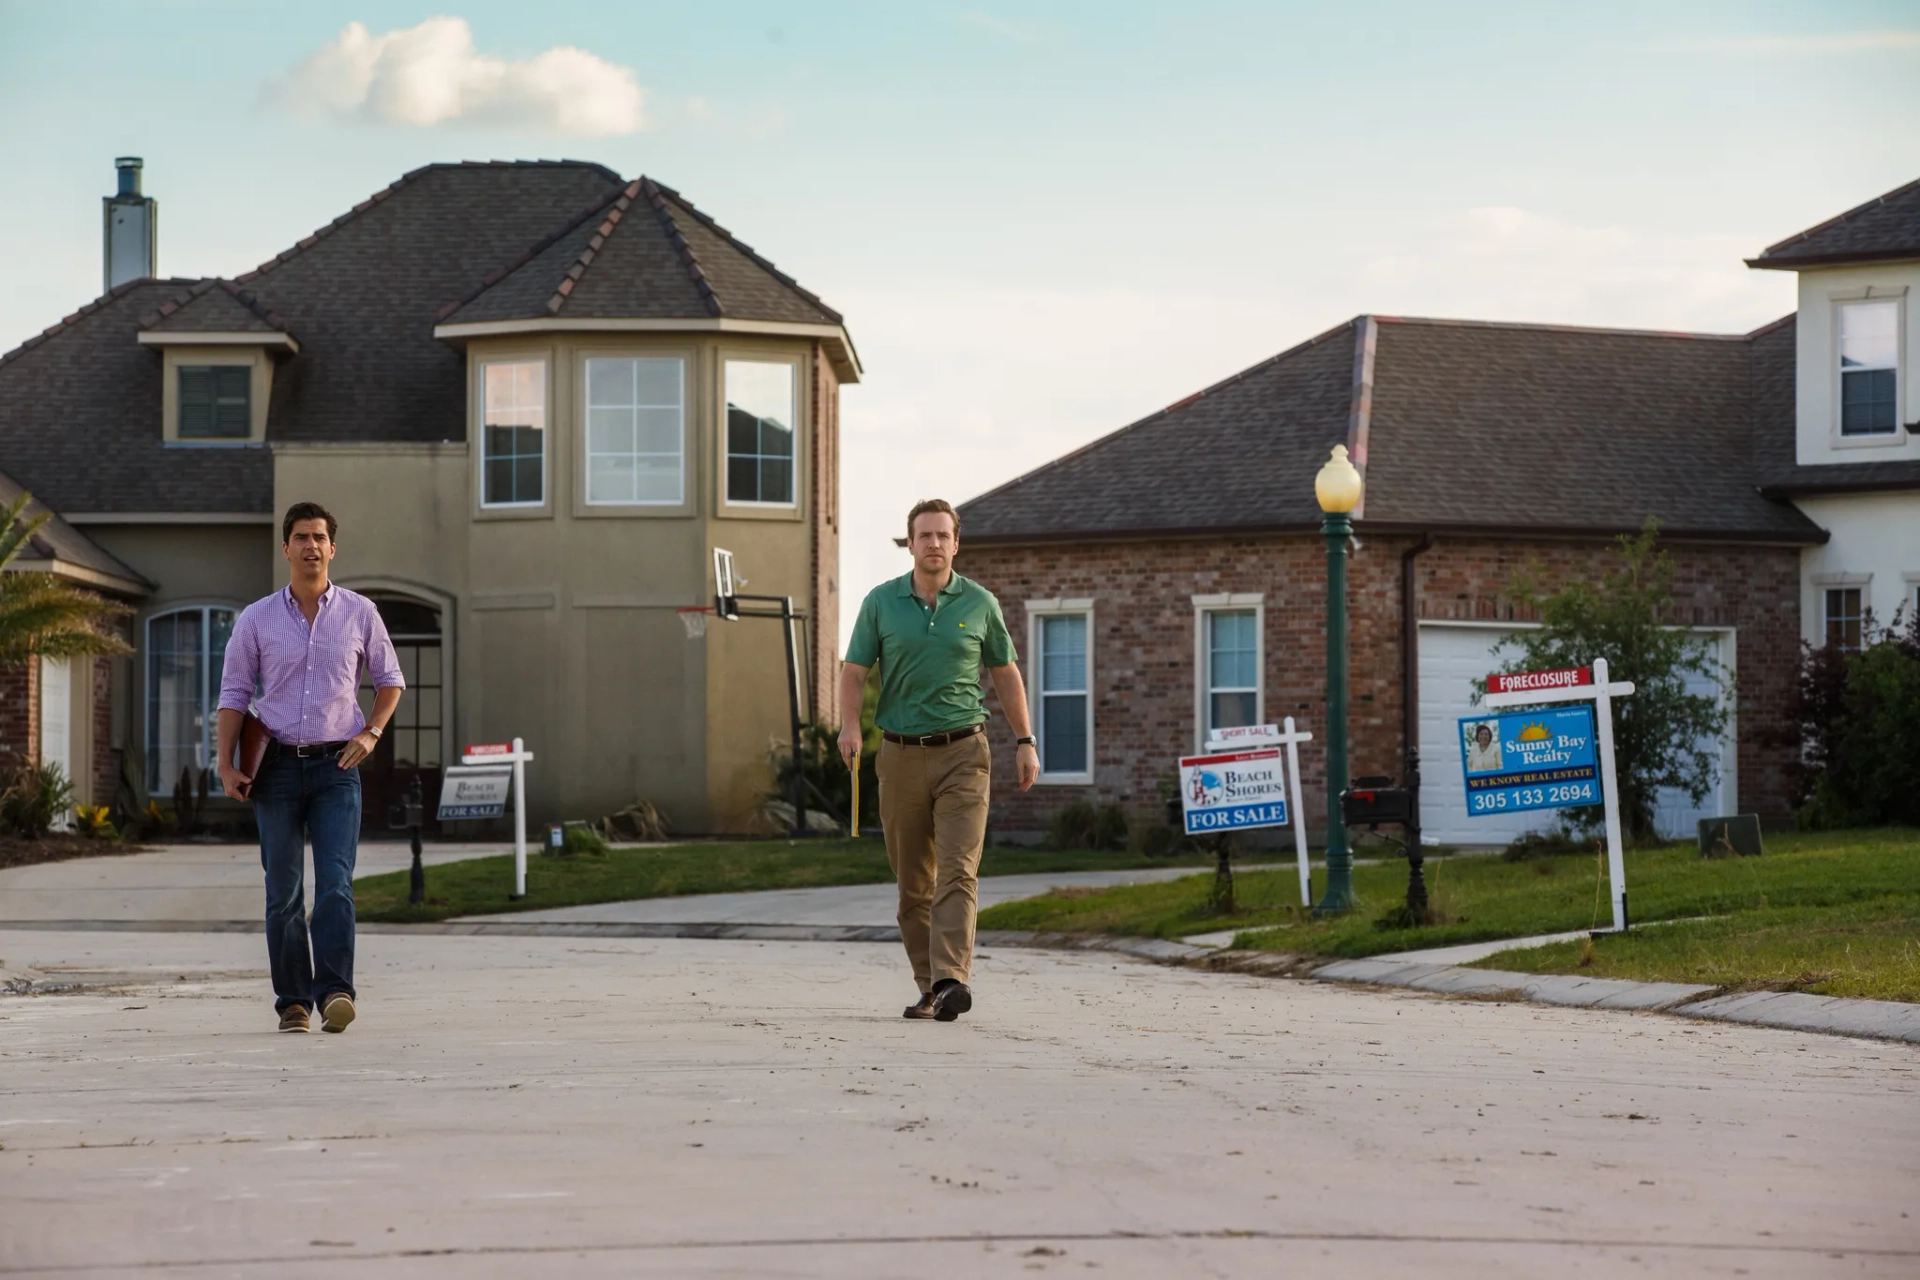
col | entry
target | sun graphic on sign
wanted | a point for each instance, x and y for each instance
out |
(1535, 732)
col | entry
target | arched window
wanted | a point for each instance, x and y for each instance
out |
(186, 650)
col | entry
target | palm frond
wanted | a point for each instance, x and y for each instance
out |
(15, 531)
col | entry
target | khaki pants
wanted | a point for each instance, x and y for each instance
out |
(933, 808)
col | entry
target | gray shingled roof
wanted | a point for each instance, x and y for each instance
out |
(1470, 426)
(80, 420)
(58, 540)
(646, 253)
(1884, 227)
(80, 403)
(213, 306)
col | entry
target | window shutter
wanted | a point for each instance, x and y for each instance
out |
(196, 402)
(231, 417)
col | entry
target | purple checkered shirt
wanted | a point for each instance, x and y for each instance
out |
(309, 677)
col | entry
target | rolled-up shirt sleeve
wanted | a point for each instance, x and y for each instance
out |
(240, 675)
(383, 664)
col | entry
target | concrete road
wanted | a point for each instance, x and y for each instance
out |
(547, 1106)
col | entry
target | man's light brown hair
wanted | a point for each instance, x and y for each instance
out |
(932, 504)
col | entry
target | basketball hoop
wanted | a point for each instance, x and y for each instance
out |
(694, 618)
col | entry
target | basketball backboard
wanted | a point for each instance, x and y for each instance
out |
(725, 586)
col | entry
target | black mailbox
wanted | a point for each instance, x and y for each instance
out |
(405, 813)
(1372, 801)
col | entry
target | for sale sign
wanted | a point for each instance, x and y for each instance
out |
(475, 791)
(1233, 792)
(1529, 760)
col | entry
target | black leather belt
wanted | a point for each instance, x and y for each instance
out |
(932, 739)
(309, 751)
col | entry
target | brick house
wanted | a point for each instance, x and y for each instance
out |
(538, 396)
(1169, 577)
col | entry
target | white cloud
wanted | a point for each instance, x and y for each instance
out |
(432, 74)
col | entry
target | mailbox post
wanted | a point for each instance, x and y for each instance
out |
(409, 815)
(1375, 800)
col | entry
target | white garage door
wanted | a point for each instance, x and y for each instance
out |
(1452, 657)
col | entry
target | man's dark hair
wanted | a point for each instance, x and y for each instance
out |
(307, 511)
(932, 504)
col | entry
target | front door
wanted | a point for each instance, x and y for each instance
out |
(412, 745)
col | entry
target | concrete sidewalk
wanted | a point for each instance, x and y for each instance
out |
(180, 882)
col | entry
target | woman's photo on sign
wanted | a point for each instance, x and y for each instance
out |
(1483, 747)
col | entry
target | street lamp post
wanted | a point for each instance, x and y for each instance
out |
(1338, 489)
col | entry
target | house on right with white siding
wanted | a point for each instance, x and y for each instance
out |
(1849, 457)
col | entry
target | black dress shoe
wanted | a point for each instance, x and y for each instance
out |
(924, 1009)
(951, 998)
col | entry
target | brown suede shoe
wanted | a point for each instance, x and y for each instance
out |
(922, 1010)
(336, 1011)
(295, 1019)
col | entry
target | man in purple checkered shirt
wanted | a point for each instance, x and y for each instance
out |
(304, 648)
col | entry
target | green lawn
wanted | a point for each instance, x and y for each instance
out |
(1869, 949)
(480, 885)
(1831, 902)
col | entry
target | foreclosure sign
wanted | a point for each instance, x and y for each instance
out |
(1233, 792)
(1527, 681)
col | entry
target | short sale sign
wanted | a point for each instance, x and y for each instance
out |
(1233, 792)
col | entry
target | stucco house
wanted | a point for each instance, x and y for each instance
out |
(537, 395)
(1169, 578)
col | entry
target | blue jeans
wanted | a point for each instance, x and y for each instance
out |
(295, 800)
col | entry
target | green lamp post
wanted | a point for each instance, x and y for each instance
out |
(1338, 489)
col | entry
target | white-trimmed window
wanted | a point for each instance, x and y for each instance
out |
(1845, 618)
(186, 655)
(1230, 660)
(1869, 368)
(636, 431)
(513, 433)
(1060, 638)
(760, 437)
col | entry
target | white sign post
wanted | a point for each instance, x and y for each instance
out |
(1601, 693)
(517, 755)
(1266, 735)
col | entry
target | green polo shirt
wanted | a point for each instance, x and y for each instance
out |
(930, 658)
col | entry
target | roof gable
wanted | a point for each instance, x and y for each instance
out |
(213, 306)
(645, 254)
(1887, 226)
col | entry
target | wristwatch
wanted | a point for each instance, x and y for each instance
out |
(1028, 741)
(376, 731)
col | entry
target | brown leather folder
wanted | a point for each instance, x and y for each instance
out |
(252, 751)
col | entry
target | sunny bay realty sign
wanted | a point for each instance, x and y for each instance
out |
(1554, 758)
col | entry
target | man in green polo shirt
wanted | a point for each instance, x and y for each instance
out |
(932, 631)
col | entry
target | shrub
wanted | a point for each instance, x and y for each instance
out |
(578, 839)
(1158, 840)
(1545, 844)
(37, 795)
(1856, 718)
(1082, 825)
(1663, 735)
(92, 821)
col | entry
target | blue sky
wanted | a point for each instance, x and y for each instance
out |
(1043, 221)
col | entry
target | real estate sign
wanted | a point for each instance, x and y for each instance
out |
(1235, 791)
(475, 791)
(1543, 759)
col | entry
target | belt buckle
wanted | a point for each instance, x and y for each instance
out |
(927, 740)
